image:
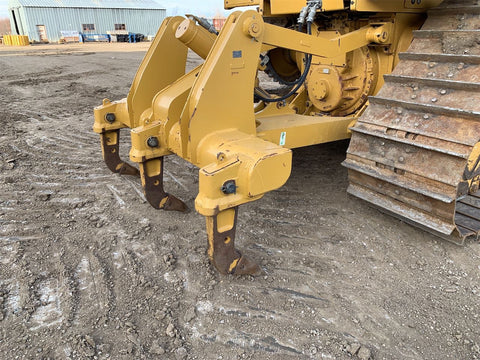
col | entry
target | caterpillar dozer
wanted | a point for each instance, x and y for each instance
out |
(400, 78)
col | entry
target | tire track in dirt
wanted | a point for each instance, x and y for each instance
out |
(50, 76)
(94, 295)
(91, 284)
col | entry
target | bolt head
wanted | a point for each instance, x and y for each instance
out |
(110, 117)
(153, 142)
(229, 187)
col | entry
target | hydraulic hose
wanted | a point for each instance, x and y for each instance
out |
(299, 82)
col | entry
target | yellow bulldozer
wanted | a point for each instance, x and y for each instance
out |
(401, 78)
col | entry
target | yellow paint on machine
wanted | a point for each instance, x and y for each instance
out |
(208, 117)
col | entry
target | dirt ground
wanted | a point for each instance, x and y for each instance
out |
(88, 270)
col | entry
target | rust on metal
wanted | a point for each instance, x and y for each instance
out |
(414, 152)
(110, 148)
(154, 192)
(222, 252)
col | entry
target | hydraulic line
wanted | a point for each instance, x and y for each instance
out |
(306, 15)
(299, 82)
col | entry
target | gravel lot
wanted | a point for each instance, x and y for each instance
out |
(88, 270)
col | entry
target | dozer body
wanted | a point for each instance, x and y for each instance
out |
(330, 56)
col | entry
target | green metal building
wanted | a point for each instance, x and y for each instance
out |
(47, 20)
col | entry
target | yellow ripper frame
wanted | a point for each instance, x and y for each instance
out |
(207, 117)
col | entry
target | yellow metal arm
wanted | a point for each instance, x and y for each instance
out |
(327, 48)
(150, 77)
(230, 4)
